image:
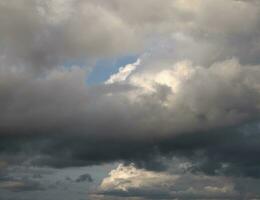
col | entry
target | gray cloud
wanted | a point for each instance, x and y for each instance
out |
(21, 185)
(194, 94)
(180, 108)
(168, 101)
(42, 34)
(84, 177)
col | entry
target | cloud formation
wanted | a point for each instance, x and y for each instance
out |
(192, 94)
(152, 108)
(127, 182)
(42, 34)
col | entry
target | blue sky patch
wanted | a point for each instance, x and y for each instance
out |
(104, 68)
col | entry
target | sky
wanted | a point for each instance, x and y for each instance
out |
(129, 100)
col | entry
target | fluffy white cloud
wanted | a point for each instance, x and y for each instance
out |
(123, 73)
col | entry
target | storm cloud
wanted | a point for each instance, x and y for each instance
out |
(193, 93)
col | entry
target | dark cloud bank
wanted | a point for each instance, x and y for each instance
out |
(229, 151)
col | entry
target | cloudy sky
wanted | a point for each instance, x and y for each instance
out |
(129, 100)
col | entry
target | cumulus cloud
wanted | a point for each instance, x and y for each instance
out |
(127, 181)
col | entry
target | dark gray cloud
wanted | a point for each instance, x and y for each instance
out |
(84, 177)
(223, 152)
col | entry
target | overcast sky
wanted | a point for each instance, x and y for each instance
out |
(129, 100)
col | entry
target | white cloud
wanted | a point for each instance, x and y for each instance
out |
(123, 73)
(128, 181)
(128, 177)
